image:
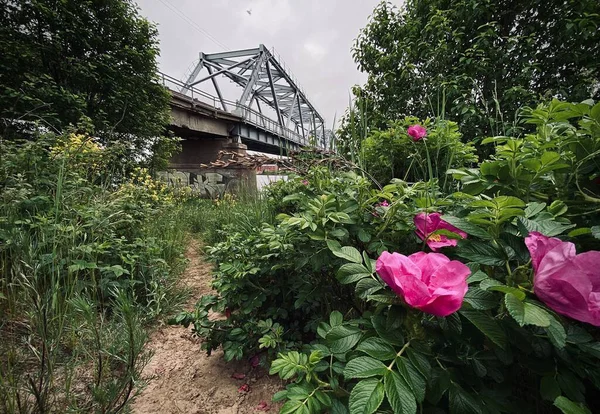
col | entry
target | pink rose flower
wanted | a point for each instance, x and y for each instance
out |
(429, 282)
(428, 223)
(304, 182)
(567, 282)
(384, 203)
(416, 132)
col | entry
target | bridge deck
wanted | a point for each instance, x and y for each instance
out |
(205, 102)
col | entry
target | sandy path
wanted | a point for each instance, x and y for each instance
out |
(186, 380)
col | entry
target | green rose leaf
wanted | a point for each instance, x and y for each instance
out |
(390, 334)
(438, 385)
(363, 236)
(352, 272)
(364, 367)
(366, 287)
(399, 394)
(569, 407)
(420, 361)
(556, 333)
(592, 349)
(336, 318)
(345, 252)
(413, 378)
(294, 407)
(548, 227)
(487, 325)
(462, 402)
(480, 299)
(341, 339)
(494, 285)
(338, 408)
(515, 307)
(534, 315)
(478, 276)
(377, 348)
(467, 227)
(481, 253)
(534, 208)
(366, 396)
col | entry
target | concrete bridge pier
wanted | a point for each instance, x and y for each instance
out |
(185, 168)
(204, 151)
(236, 146)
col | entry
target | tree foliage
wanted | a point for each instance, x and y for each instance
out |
(68, 62)
(477, 61)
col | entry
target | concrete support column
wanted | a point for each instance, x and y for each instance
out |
(198, 151)
(235, 145)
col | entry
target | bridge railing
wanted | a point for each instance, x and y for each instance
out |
(248, 114)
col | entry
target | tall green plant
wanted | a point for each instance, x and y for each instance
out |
(84, 264)
(392, 153)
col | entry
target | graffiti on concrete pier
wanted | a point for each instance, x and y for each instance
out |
(205, 184)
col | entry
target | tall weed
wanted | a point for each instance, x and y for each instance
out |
(87, 258)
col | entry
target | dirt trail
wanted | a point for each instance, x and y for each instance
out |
(186, 380)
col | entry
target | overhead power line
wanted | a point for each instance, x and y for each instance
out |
(192, 23)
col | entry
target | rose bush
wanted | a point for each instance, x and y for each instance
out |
(477, 329)
(482, 323)
(400, 150)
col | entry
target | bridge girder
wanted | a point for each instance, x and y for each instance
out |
(263, 78)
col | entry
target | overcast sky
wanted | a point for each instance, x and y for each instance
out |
(313, 37)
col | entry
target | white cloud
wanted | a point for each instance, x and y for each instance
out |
(315, 50)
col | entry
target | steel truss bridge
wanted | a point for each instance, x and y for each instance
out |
(264, 81)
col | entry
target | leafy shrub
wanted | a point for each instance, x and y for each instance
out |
(504, 351)
(283, 272)
(392, 153)
(559, 161)
(254, 265)
(307, 289)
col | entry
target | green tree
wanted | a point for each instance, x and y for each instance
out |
(91, 62)
(477, 61)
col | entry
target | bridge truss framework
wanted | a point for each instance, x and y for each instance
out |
(264, 79)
